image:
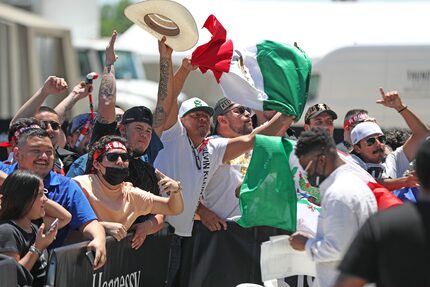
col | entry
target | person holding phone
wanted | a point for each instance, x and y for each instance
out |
(118, 203)
(24, 201)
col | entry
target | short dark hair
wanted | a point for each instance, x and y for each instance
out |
(47, 109)
(422, 164)
(99, 146)
(354, 112)
(21, 123)
(19, 191)
(40, 133)
(315, 140)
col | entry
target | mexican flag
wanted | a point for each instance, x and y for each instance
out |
(274, 191)
(266, 76)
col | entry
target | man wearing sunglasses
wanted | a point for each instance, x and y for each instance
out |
(369, 146)
(219, 201)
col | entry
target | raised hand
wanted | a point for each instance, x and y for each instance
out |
(82, 90)
(164, 50)
(390, 99)
(186, 63)
(54, 85)
(111, 57)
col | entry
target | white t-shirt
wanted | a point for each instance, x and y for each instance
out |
(219, 195)
(178, 161)
(346, 203)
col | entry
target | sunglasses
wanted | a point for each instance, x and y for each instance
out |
(54, 125)
(239, 109)
(113, 156)
(372, 141)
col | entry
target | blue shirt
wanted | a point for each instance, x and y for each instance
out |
(68, 194)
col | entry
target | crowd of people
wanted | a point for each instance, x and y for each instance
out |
(112, 171)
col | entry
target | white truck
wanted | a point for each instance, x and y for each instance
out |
(350, 78)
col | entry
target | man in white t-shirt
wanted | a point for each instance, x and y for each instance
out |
(219, 201)
(346, 203)
(191, 158)
(368, 143)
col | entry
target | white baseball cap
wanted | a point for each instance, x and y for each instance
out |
(194, 104)
(363, 130)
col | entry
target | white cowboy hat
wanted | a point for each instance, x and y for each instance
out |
(165, 18)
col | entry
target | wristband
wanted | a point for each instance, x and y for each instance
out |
(402, 109)
(33, 249)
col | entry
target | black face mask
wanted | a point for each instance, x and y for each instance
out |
(116, 175)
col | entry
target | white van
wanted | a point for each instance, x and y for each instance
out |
(350, 78)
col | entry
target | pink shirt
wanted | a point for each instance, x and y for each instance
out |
(122, 205)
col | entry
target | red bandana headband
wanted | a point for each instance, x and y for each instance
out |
(107, 147)
(358, 118)
(19, 132)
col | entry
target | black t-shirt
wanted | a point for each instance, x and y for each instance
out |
(15, 239)
(392, 248)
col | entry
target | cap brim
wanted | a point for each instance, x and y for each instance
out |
(204, 108)
(330, 112)
(176, 22)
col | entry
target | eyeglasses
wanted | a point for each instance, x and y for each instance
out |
(113, 156)
(239, 109)
(54, 125)
(372, 141)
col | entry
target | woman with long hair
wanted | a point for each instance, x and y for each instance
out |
(24, 201)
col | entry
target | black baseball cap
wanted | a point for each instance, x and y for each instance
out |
(316, 110)
(137, 114)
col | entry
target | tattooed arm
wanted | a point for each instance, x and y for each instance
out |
(107, 92)
(165, 89)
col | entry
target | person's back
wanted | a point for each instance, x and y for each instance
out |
(400, 247)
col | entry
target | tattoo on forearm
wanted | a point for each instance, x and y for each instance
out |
(159, 117)
(164, 79)
(107, 87)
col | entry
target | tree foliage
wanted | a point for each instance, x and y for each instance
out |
(113, 18)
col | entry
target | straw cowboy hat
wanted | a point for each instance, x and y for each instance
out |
(165, 18)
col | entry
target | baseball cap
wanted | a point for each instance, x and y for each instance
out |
(79, 122)
(221, 107)
(194, 104)
(137, 114)
(363, 130)
(317, 109)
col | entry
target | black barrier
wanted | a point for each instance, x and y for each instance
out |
(222, 258)
(69, 266)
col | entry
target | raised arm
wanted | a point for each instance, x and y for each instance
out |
(80, 91)
(239, 145)
(107, 92)
(418, 128)
(174, 204)
(165, 96)
(179, 80)
(52, 85)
